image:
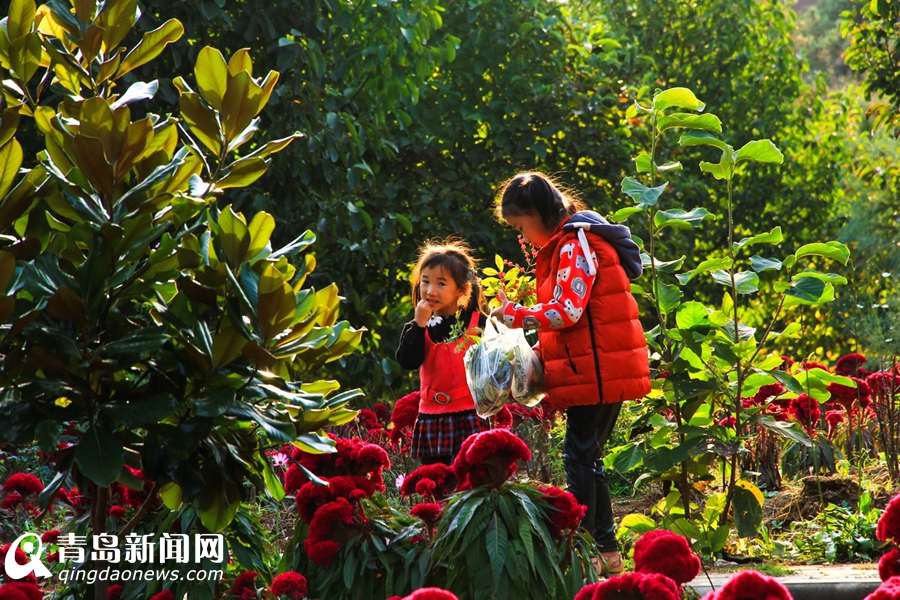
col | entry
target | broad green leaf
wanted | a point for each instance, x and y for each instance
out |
(681, 218)
(143, 413)
(240, 104)
(637, 523)
(275, 146)
(151, 45)
(272, 481)
(808, 291)
(718, 170)
(234, 235)
(746, 282)
(623, 214)
(772, 237)
(100, 456)
(691, 315)
(708, 122)
(760, 264)
(170, 494)
(21, 18)
(763, 151)
(644, 165)
(201, 121)
(700, 138)
(261, 227)
(10, 161)
(707, 265)
(668, 297)
(219, 514)
(211, 73)
(679, 97)
(748, 513)
(785, 429)
(315, 443)
(627, 457)
(642, 194)
(826, 277)
(834, 250)
(243, 172)
(116, 20)
(791, 330)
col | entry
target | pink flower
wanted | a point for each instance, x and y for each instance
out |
(667, 553)
(567, 514)
(888, 527)
(289, 584)
(23, 483)
(489, 458)
(633, 586)
(752, 585)
(889, 565)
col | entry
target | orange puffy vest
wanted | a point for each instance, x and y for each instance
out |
(602, 358)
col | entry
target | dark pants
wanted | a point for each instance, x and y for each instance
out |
(587, 430)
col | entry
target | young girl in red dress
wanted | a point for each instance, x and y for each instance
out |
(449, 305)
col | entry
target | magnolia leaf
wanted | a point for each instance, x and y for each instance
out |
(151, 45)
(100, 456)
(138, 90)
(170, 493)
(785, 429)
(201, 121)
(211, 74)
(763, 151)
(10, 160)
(679, 97)
(243, 172)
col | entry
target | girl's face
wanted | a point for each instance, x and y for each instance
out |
(532, 227)
(439, 290)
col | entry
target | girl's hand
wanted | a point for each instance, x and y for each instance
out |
(423, 313)
(504, 301)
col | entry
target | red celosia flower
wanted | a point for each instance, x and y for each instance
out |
(290, 584)
(53, 557)
(352, 457)
(431, 593)
(135, 498)
(436, 481)
(786, 363)
(51, 536)
(115, 591)
(833, 418)
(404, 415)
(18, 590)
(806, 410)
(489, 458)
(245, 582)
(117, 512)
(888, 527)
(503, 419)
(642, 586)
(11, 502)
(809, 365)
(767, 392)
(884, 385)
(429, 512)
(383, 412)
(311, 495)
(21, 558)
(727, 421)
(849, 365)
(888, 590)
(77, 499)
(667, 553)
(368, 419)
(846, 395)
(331, 523)
(889, 565)
(163, 595)
(23, 483)
(753, 585)
(568, 513)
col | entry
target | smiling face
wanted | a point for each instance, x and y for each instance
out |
(532, 227)
(439, 290)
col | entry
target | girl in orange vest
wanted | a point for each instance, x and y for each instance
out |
(448, 304)
(589, 336)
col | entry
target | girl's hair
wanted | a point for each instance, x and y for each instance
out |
(455, 257)
(532, 192)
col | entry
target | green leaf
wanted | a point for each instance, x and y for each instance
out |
(151, 45)
(272, 481)
(692, 315)
(170, 494)
(760, 264)
(211, 73)
(623, 214)
(637, 523)
(315, 443)
(773, 237)
(826, 277)
(143, 413)
(676, 216)
(808, 291)
(700, 138)
(627, 457)
(497, 544)
(21, 18)
(707, 265)
(668, 297)
(708, 122)
(100, 456)
(763, 151)
(746, 282)
(641, 194)
(219, 514)
(834, 250)
(139, 343)
(679, 97)
(790, 430)
(243, 172)
(10, 161)
(644, 165)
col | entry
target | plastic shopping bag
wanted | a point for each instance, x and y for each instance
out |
(500, 363)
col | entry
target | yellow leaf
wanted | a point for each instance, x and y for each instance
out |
(261, 228)
(211, 73)
(62, 401)
(151, 45)
(234, 235)
(227, 345)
